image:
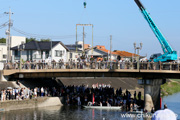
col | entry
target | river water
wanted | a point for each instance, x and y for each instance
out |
(78, 113)
(173, 103)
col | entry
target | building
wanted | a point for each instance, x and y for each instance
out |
(17, 40)
(38, 51)
(76, 50)
(98, 52)
(14, 41)
(101, 52)
(124, 55)
(3, 52)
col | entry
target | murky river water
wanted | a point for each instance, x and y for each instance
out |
(77, 113)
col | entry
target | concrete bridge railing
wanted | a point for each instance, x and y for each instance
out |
(94, 65)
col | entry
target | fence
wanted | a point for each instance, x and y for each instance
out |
(94, 65)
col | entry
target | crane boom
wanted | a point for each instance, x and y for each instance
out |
(169, 53)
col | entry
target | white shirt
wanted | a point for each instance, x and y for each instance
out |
(166, 114)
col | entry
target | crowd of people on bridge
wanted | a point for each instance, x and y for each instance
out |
(70, 64)
(89, 64)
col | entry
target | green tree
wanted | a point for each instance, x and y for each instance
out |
(45, 40)
(2, 40)
(30, 39)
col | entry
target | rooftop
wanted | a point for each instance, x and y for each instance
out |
(39, 45)
(124, 53)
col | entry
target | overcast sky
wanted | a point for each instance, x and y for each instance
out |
(119, 18)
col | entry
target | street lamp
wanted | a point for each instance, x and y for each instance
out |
(134, 51)
(137, 48)
(21, 48)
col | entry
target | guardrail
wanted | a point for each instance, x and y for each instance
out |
(94, 65)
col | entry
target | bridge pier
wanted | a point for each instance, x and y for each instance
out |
(152, 90)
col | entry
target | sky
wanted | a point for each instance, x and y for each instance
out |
(57, 19)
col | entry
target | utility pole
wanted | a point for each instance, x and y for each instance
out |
(110, 46)
(84, 25)
(110, 51)
(83, 38)
(51, 51)
(8, 32)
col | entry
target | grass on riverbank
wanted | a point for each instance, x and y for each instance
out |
(170, 88)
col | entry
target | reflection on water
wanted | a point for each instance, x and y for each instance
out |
(173, 103)
(78, 113)
(64, 113)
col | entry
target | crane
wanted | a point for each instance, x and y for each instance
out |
(169, 53)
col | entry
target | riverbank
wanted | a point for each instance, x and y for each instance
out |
(30, 103)
(171, 87)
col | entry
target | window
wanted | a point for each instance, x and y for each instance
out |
(58, 53)
(37, 55)
(4, 56)
(41, 54)
(17, 53)
(47, 54)
(70, 55)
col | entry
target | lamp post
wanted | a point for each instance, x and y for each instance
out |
(21, 48)
(137, 48)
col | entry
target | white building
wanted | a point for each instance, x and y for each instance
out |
(3, 52)
(14, 41)
(75, 50)
(38, 51)
(17, 40)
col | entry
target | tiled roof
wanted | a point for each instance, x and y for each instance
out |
(72, 47)
(86, 46)
(38, 45)
(124, 53)
(102, 48)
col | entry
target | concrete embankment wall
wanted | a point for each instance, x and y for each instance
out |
(30, 103)
(124, 83)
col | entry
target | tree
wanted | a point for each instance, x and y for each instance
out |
(30, 39)
(2, 40)
(45, 40)
(34, 39)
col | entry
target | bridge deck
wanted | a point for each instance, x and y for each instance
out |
(91, 73)
(93, 69)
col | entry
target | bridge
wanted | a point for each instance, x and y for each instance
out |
(146, 70)
(49, 73)
(150, 74)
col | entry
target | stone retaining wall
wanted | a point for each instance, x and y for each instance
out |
(30, 103)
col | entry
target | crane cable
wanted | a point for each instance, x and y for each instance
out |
(84, 12)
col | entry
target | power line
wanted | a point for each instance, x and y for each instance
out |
(4, 25)
(2, 15)
(42, 36)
